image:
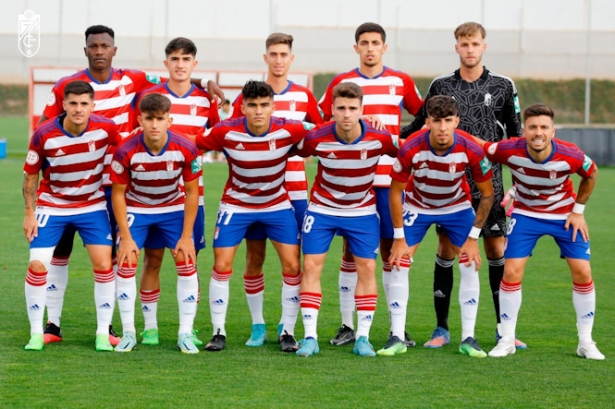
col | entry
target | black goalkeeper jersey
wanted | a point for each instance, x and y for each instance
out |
(488, 109)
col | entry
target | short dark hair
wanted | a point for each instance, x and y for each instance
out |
(78, 88)
(256, 89)
(279, 38)
(98, 29)
(469, 29)
(370, 28)
(348, 90)
(538, 110)
(155, 103)
(180, 44)
(442, 106)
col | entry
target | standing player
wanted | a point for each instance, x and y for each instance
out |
(69, 150)
(546, 205)
(489, 109)
(386, 91)
(438, 159)
(291, 101)
(147, 169)
(191, 112)
(257, 147)
(115, 91)
(343, 201)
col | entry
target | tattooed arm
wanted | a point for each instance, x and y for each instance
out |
(29, 188)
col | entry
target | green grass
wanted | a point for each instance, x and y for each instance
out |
(72, 374)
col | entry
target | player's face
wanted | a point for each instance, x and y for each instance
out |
(346, 113)
(441, 132)
(155, 126)
(370, 48)
(100, 50)
(78, 108)
(470, 50)
(258, 112)
(180, 65)
(538, 131)
(279, 58)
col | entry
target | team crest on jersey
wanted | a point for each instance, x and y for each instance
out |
(492, 149)
(397, 166)
(169, 165)
(363, 154)
(32, 157)
(293, 105)
(392, 89)
(487, 99)
(452, 167)
(272, 144)
(193, 110)
(117, 167)
(92, 146)
(553, 174)
(122, 90)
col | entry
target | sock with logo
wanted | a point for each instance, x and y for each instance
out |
(35, 299)
(290, 302)
(149, 307)
(386, 278)
(442, 289)
(399, 292)
(57, 280)
(366, 307)
(219, 298)
(469, 292)
(510, 303)
(347, 286)
(496, 272)
(255, 294)
(310, 305)
(126, 292)
(104, 294)
(187, 294)
(584, 301)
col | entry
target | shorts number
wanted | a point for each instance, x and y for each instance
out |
(42, 219)
(409, 217)
(511, 225)
(131, 219)
(227, 219)
(308, 222)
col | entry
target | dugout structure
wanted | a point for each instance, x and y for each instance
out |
(42, 80)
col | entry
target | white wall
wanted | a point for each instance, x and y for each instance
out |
(537, 38)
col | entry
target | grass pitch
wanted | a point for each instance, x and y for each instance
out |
(72, 374)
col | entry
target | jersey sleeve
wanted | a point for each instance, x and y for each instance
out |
(412, 97)
(585, 168)
(192, 166)
(388, 146)
(212, 139)
(237, 107)
(120, 167)
(305, 147)
(402, 167)
(511, 112)
(479, 163)
(313, 114)
(54, 106)
(144, 81)
(326, 101)
(421, 115)
(214, 115)
(35, 157)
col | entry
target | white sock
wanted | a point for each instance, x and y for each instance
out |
(469, 291)
(366, 308)
(584, 301)
(290, 307)
(57, 280)
(104, 293)
(310, 305)
(399, 292)
(35, 299)
(347, 285)
(126, 292)
(254, 287)
(149, 307)
(187, 295)
(218, 299)
(510, 304)
(386, 279)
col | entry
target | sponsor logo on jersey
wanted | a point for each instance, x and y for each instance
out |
(553, 174)
(272, 144)
(117, 167)
(485, 165)
(492, 148)
(170, 165)
(521, 170)
(397, 166)
(92, 146)
(423, 165)
(487, 99)
(32, 157)
(587, 163)
(363, 154)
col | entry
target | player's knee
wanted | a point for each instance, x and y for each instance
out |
(36, 266)
(254, 262)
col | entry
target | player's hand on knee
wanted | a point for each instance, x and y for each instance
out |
(469, 253)
(577, 221)
(399, 251)
(185, 251)
(127, 251)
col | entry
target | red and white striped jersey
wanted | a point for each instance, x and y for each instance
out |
(71, 166)
(298, 103)
(192, 113)
(257, 163)
(438, 184)
(383, 95)
(153, 180)
(113, 99)
(346, 171)
(544, 190)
